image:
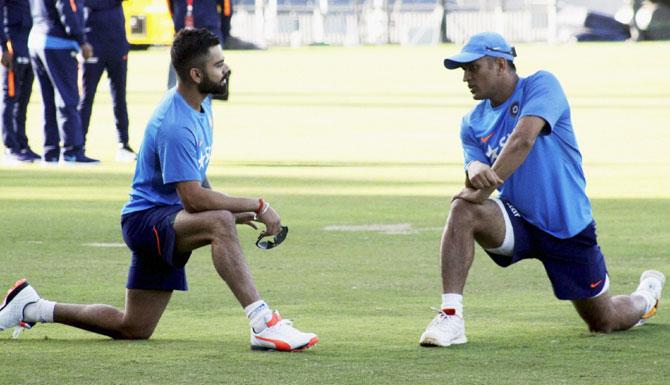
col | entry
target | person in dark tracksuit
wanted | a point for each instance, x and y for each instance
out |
(17, 78)
(54, 42)
(215, 16)
(191, 14)
(105, 31)
(203, 14)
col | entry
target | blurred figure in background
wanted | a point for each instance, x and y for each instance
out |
(105, 31)
(215, 16)
(17, 79)
(55, 40)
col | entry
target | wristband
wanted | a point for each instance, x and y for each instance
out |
(265, 208)
(261, 205)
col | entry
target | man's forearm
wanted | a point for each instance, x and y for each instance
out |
(518, 146)
(197, 198)
(512, 156)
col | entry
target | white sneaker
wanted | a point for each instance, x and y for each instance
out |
(281, 335)
(125, 154)
(651, 282)
(447, 328)
(11, 310)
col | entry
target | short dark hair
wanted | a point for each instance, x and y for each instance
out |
(510, 64)
(189, 49)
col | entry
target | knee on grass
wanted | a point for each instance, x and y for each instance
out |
(134, 333)
(601, 327)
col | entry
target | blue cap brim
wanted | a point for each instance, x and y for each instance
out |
(460, 59)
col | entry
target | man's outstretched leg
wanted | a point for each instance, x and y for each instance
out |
(466, 223)
(607, 314)
(217, 228)
(23, 308)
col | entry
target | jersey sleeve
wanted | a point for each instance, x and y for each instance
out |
(471, 149)
(178, 155)
(545, 99)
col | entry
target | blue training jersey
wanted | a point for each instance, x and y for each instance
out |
(548, 189)
(177, 146)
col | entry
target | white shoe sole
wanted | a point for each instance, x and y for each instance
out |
(283, 347)
(430, 341)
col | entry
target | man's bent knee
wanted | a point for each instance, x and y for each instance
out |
(598, 313)
(223, 220)
(462, 210)
(471, 214)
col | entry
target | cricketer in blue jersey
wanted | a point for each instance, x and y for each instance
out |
(519, 140)
(172, 211)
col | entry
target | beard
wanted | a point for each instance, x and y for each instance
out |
(211, 87)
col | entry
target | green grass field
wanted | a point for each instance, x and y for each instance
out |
(350, 137)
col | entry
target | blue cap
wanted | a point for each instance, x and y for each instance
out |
(480, 45)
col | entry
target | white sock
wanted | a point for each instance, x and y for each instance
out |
(259, 314)
(649, 298)
(40, 311)
(453, 301)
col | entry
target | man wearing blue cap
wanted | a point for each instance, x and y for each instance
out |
(519, 139)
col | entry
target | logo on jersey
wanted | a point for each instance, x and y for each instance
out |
(204, 157)
(486, 138)
(514, 108)
(493, 152)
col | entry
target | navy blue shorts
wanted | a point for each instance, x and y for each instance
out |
(151, 237)
(575, 266)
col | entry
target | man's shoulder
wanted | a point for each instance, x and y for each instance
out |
(170, 111)
(541, 77)
(475, 113)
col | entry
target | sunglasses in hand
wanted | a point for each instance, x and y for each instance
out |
(276, 241)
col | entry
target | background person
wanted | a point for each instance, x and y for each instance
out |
(17, 78)
(106, 32)
(519, 139)
(55, 39)
(173, 210)
(215, 16)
